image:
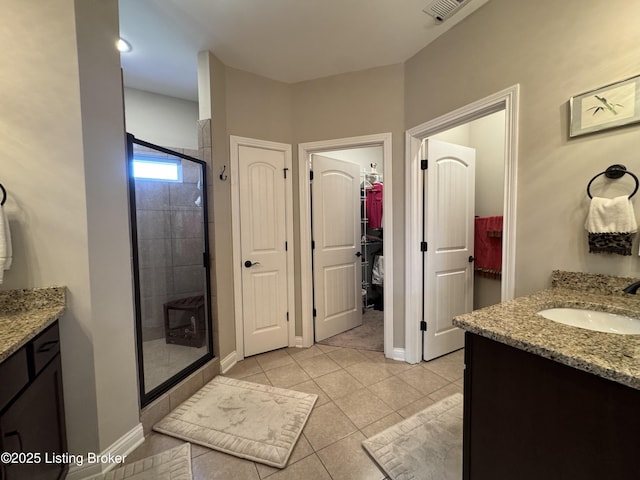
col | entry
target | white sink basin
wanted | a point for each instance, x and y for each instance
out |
(593, 320)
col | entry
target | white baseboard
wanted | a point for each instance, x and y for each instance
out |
(121, 447)
(299, 342)
(398, 354)
(228, 362)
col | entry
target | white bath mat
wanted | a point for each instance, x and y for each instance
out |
(174, 464)
(248, 420)
(427, 445)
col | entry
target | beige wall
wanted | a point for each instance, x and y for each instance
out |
(352, 104)
(552, 56)
(212, 86)
(360, 103)
(258, 107)
(112, 319)
(62, 137)
(160, 119)
(246, 105)
(487, 136)
(43, 172)
(254, 107)
(221, 195)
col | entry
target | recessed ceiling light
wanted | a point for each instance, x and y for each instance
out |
(123, 46)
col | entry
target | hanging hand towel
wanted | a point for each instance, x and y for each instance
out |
(6, 252)
(494, 226)
(611, 224)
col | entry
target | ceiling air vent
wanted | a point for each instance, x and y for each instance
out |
(443, 9)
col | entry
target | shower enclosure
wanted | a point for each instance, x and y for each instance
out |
(168, 202)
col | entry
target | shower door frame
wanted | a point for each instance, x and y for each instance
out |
(151, 395)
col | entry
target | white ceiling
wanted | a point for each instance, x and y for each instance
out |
(285, 40)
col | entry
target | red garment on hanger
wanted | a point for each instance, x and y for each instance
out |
(488, 246)
(374, 205)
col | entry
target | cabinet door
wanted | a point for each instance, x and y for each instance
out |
(35, 423)
(529, 418)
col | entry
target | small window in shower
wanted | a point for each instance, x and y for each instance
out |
(157, 168)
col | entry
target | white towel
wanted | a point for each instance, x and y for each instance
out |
(611, 215)
(6, 251)
(611, 224)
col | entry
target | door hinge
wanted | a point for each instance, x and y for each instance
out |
(313, 244)
(423, 246)
(423, 326)
(285, 171)
(315, 312)
(205, 260)
(310, 174)
(287, 316)
(286, 246)
(424, 164)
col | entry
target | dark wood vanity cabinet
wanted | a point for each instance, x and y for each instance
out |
(32, 424)
(529, 418)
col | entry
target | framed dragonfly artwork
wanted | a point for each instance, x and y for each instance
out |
(606, 107)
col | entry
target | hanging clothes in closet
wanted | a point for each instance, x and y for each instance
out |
(374, 205)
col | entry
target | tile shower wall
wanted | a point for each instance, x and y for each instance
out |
(170, 236)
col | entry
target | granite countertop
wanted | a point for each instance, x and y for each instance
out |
(25, 313)
(516, 323)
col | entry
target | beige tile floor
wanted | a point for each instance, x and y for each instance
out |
(360, 393)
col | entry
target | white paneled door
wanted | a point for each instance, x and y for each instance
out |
(449, 227)
(337, 267)
(263, 245)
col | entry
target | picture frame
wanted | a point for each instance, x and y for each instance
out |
(610, 106)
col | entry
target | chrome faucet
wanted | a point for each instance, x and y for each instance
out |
(633, 288)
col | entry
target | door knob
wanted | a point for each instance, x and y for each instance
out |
(250, 264)
(471, 258)
(358, 254)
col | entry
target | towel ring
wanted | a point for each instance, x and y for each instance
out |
(4, 195)
(615, 172)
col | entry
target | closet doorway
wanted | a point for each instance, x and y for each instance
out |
(356, 309)
(506, 102)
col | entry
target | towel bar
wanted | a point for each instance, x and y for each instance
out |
(614, 172)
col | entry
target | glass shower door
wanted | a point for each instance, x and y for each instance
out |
(168, 204)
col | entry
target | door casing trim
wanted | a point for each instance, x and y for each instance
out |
(234, 143)
(305, 150)
(506, 100)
